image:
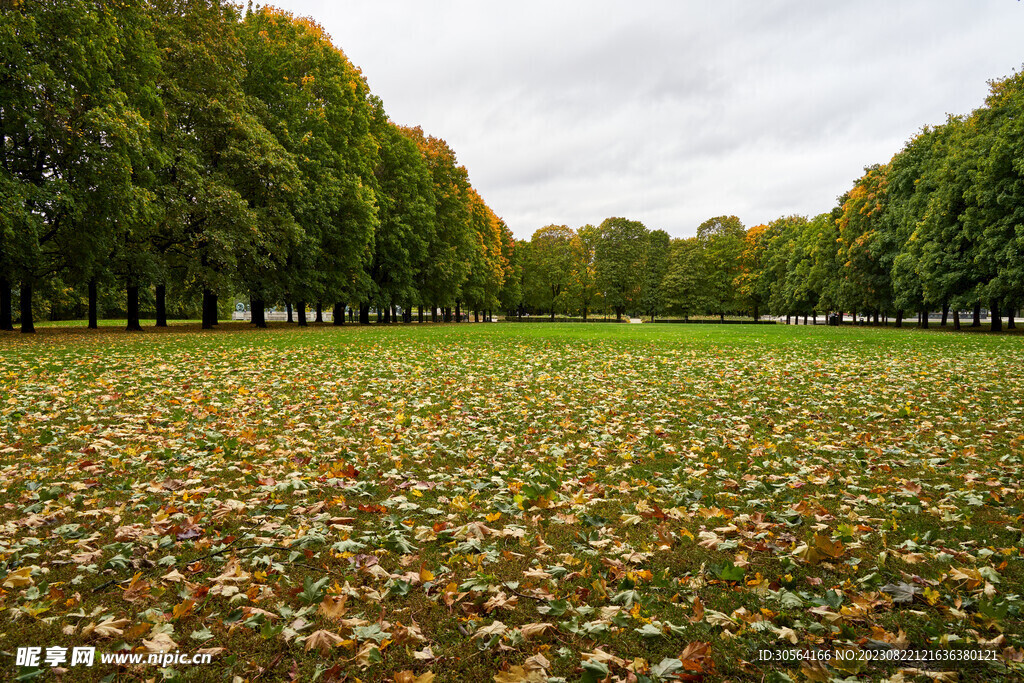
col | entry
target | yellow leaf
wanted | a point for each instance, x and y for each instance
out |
(21, 578)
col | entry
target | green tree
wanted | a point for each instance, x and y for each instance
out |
(449, 251)
(723, 239)
(683, 284)
(619, 263)
(547, 267)
(653, 301)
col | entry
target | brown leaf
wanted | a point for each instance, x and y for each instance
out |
(322, 641)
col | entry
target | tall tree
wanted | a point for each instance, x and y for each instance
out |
(619, 263)
(684, 279)
(449, 250)
(583, 292)
(723, 240)
(547, 267)
(652, 301)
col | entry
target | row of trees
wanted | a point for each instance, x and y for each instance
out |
(622, 267)
(940, 227)
(178, 151)
(183, 150)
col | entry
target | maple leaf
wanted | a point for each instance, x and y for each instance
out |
(160, 642)
(495, 628)
(20, 578)
(322, 641)
(108, 628)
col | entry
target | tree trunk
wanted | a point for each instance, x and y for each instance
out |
(93, 305)
(552, 314)
(1010, 324)
(161, 305)
(257, 314)
(300, 310)
(458, 311)
(805, 319)
(27, 326)
(209, 309)
(956, 319)
(814, 318)
(319, 311)
(945, 315)
(721, 317)
(876, 317)
(997, 319)
(364, 314)
(6, 321)
(977, 315)
(288, 307)
(476, 315)
(419, 312)
(788, 318)
(756, 313)
(924, 320)
(618, 314)
(899, 317)
(338, 314)
(133, 309)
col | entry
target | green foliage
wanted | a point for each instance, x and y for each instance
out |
(619, 258)
(547, 267)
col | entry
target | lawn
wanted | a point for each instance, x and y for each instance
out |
(515, 502)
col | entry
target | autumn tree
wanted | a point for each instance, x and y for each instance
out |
(448, 254)
(583, 292)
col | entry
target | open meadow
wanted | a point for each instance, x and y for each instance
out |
(514, 502)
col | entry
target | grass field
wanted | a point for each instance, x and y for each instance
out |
(512, 502)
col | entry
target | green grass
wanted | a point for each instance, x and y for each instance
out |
(642, 489)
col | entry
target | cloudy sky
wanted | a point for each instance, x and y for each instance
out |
(671, 112)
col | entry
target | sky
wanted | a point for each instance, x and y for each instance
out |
(671, 112)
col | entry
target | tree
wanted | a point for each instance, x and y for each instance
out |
(320, 109)
(547, 267)
(406, 209)
(487, 267)
(752, 286)
(995, 215)
(72, 134)
(510, 298)
(583, 293)
(652, 300)
(685, 276)
(723, 240)
(448, 253)
(945, 248)
(866, 248)
(619, 257)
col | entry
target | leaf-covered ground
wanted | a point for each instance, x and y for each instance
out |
(513, 503)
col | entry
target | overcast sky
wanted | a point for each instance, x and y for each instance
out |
(671, 112)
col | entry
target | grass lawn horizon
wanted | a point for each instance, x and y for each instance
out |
(514, 502)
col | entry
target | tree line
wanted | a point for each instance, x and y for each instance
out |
(168, 155)
(174, 153)
(938, 228)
